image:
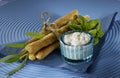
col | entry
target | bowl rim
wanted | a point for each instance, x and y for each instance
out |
(71, 31)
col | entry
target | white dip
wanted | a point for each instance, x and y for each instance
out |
(77, 38)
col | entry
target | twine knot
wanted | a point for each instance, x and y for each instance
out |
(47, 26)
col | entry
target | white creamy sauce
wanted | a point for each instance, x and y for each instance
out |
(77, 38)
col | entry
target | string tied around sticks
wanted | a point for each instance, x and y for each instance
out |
(49, 26)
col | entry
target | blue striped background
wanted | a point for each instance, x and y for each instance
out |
(107, 64)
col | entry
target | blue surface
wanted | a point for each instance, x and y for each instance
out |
(95, 8)
(107, 64)
(24, 15)
(21, 11)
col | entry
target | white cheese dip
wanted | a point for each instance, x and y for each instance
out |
(77, 38)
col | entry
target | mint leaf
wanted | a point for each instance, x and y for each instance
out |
(71, 25)
(35, 35)
(16, 45)
(96, 40)
(99, 28)
(92, 24)
(93, 32)
(74, 26)
(99, 31)
(100, 34)
(81, 20)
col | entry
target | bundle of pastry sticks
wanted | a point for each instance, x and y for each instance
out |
(40, 48)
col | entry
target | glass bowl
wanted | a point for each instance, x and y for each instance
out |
(76, 54)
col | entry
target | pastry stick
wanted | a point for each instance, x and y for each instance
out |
(45, 41)
(47, 50)
(65, 19)
(59, 23)
(31, 56)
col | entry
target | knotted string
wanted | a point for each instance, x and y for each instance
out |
(46, 24)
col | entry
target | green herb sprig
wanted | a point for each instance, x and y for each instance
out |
(14, 57)
(35, 35)
(16, 45)
(92, 26)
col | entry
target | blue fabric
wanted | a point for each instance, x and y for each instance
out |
(107, 64)
(55, 60)
(15, 20)
(56, 63)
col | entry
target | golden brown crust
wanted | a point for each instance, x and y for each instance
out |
(64, 19)
(45, 41)
(59, 23)
(31, 56)
(47, 50)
